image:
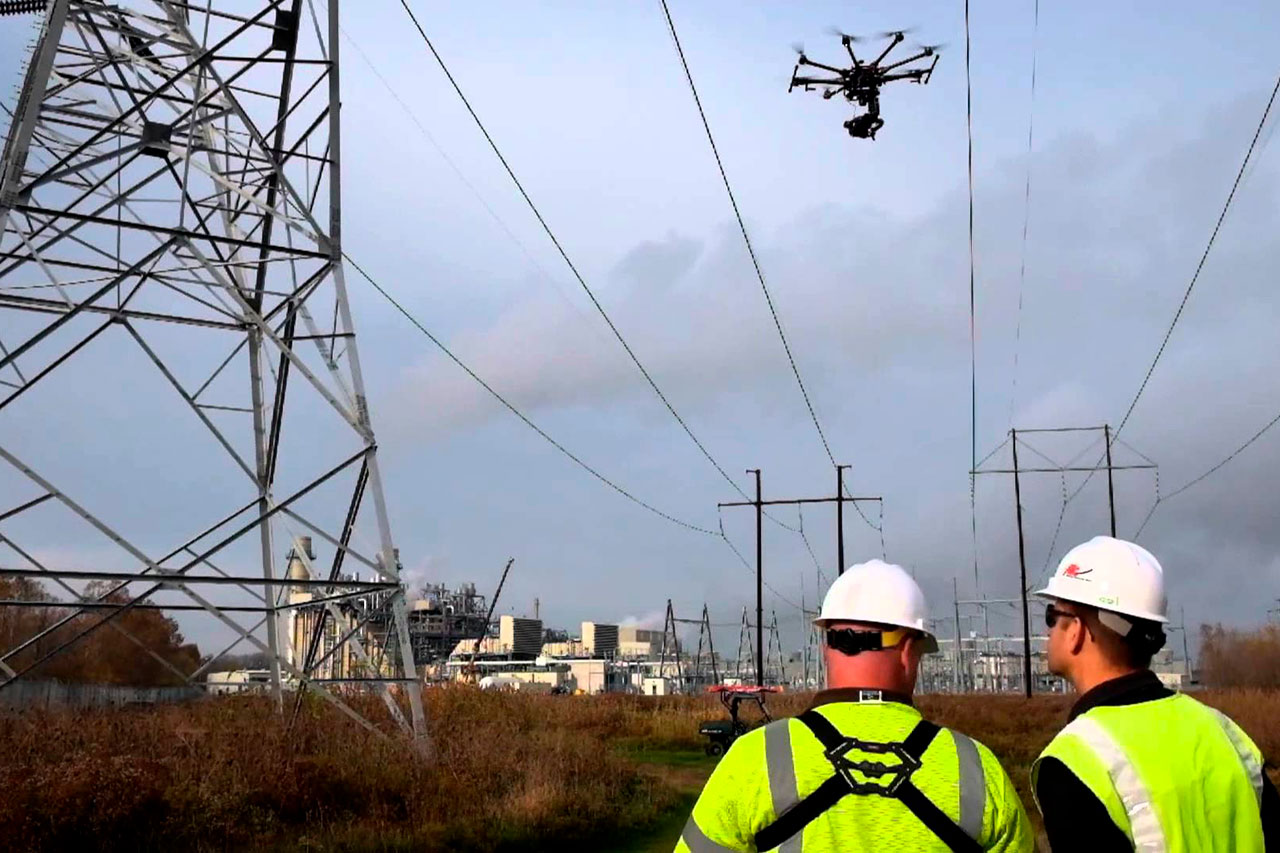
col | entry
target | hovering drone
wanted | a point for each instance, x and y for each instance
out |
(860, 84)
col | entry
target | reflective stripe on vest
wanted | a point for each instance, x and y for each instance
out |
(782, 777)
(973, 786)
(697, 842)
(785, 792)
(1144, 824)
(1251, 759)
(1173, 773)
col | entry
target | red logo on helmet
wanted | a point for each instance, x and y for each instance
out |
(1074, 571)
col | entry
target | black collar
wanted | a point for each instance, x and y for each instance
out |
(858, 694)
(1126, 690)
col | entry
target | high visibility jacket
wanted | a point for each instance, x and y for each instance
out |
(1172, 773)
(770, 770)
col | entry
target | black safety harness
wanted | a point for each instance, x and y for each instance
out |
(900, 787)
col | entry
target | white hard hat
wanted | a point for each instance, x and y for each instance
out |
(878, 592)
(1112, 575)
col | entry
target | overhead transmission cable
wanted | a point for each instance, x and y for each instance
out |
(742, 226)
(1026, 212)
(458, 173)
(521, 415)
(747, 566)
(720, 534)
(1226, 207)
(1214, 469)
(755, 262)
(563, 254)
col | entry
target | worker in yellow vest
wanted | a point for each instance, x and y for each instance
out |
(861, 769)
(1138, 767)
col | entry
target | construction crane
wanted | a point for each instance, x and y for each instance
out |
(469, 672)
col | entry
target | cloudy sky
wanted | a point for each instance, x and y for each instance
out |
(1142, 117)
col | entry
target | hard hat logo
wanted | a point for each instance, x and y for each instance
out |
(1118, 576)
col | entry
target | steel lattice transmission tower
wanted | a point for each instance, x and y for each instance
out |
(171, 212)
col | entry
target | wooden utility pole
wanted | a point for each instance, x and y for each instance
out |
(1022, 564)
(840, 519)
(759, 503)
(1111, 487)
(1017, 471)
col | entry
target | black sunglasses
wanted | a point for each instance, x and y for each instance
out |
(1052, 614)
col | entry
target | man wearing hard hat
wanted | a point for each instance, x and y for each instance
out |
(1138, 767)
(861, 769)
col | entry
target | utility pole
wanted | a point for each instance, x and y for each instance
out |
(1061, 470)
(1022, 564)
(759, 585)
(1111, 488)
(955, 588)
(840, 519)
(1186, 656)
(759, 503)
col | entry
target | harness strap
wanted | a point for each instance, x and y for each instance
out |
(936, 820)
(795, 819)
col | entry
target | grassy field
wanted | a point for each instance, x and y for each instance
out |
(513, 772)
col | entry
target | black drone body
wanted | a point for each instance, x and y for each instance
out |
(860, 83)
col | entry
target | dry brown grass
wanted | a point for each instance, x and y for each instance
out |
(515, 772)
(1231, 657)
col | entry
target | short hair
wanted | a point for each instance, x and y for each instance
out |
(1134, 649)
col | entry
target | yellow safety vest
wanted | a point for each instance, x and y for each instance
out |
(1174, 774)
(773, 770)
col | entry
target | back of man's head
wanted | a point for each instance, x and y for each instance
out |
(873, 620)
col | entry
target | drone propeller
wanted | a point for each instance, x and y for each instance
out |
(897, 34)
(930, 49)
(798, 47)
(836, 31)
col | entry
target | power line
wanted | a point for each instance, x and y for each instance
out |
(1195, 276)
(563, 254)
(973, 345)
(1241, 449)
(503, 400)
(1204, 257)
(742, 226)
(747, 565)
(458, 173)
(1026, 212)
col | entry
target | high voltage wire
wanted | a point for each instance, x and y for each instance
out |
(747, 565)
(1204, 257)
(720, 534)
(973, 345)
(1026, 212)
(742, 226)
(1241, 449)
(503, 400)
(435, 145)
(563, 254)
(1196, 275)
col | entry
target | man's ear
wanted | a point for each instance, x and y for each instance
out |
(1076, 634)
(909, 651)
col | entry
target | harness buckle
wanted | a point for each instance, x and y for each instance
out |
(870, 695)
(846, 767)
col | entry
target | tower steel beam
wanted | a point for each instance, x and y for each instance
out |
(172, 162)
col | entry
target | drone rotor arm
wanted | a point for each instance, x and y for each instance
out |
(909, 60)
(807, 61)
(815, 81)
(897, 39)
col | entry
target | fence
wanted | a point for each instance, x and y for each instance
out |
(23, 695)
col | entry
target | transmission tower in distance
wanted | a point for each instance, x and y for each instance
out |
(182, 395)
